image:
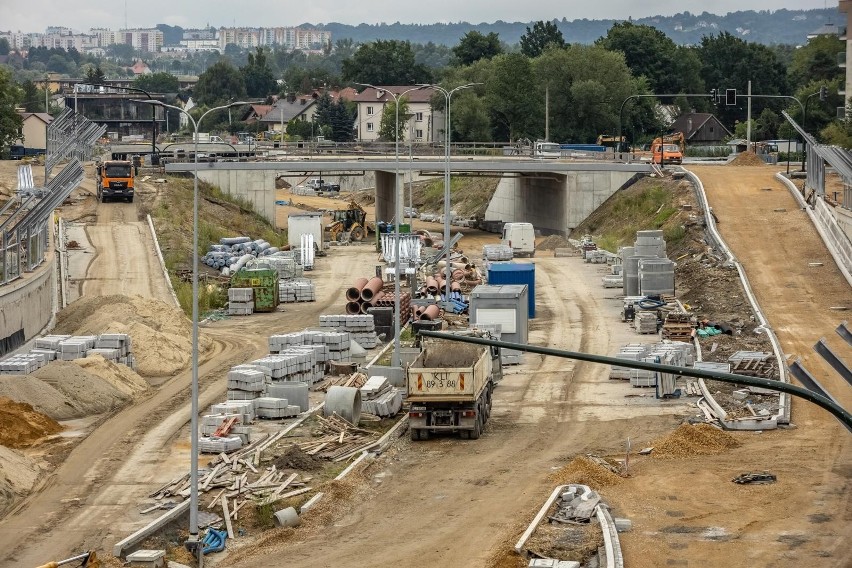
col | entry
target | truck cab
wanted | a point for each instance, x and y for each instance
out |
(520, 237)
(115, 180)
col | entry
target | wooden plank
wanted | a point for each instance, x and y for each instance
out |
(227, 516)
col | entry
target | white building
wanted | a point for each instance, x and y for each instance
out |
(422, 121)
(289, 38)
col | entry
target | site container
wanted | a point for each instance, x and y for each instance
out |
(515, 273)
(506, 305)
(264, 282)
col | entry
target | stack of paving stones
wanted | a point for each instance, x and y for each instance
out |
(215, 445)
(645, 322)
(240, 301)
(497, 252)
(245, 383)
(381, 398)
(115, 347)
(668, 352)
(224, 410)
(285, 263)
(275, 408)
(296, 290)
(361, 328)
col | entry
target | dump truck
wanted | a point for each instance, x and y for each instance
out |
(115, 180)
(449, 388)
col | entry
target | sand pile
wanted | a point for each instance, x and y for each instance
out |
(693, 440)
(748, 158)
(63, 390)
(161, 333)
(18, 474)
(553, 242)
(21, 426)
(584, 471)
(122, 377)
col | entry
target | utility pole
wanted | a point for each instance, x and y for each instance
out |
(547, 113)
(748, 119)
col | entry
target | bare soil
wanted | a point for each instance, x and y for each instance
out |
(22, 426)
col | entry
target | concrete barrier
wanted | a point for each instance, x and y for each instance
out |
(30, 302)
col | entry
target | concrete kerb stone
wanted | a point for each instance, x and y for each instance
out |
(519, 546)
(150, 528)
(612, 545)
(783, 416)
(162, 261)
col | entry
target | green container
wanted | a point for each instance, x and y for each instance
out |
(264, 282)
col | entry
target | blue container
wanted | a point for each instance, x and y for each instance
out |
(515, 273)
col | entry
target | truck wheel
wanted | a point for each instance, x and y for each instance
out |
(477, 429)
(464, 434)
(415, 434)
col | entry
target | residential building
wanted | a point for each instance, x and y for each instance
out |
(845, 6)
(34, 129)
(302, 107)
(305, 39)
(255, 113)
(422, 121)
(700, 128)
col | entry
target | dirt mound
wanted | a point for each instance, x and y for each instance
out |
(693, 440)
(122, 377)
(21, 426)
(584, 471)
(552, 242)
(18, 474)
(161, 333)
(73, 391)
(294, 458)
(747, 158)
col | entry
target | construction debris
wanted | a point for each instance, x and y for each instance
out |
(755, 478)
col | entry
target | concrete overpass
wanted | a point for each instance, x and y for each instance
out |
(554, 195)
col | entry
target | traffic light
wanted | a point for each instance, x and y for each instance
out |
(823, 93)
(714, 95)
(731, 97)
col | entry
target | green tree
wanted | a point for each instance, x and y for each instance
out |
(470, 121)
(10, 121)
(766, 125)
(388, 130)
(257, 75)
(95, 75)
(303, 129)
(540, 37)
(385, 62)
(839, 132)
(342, 121)
(4, 46)
(32, 98)
(219, 84)
(508, 95)
(159, 82)
(475, 46)
(816, 61)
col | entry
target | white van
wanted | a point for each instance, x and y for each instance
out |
(521, 237)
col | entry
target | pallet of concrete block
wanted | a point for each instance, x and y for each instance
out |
(612, 281)
(281, 341)
(379, 397)
(337, 343)
(21, 364)
(214, 445)
(275, 408)
(362, 328)
(642, 378)
(296, 393)
(497, 252)
(75, 347)
(296, 290)
(249, 380)
(645, 322)
(50, 342)
(629, 352)
(240, 301)
(682, 353)
(245, 408)
(285, 264)
(597, 256)
(119, 341)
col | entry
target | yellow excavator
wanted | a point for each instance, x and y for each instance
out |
(86, 560)
(349, 224)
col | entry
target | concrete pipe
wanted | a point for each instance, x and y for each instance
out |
(458, 275)
(373, 287)
(427, 241)
(465, 260)
(353, 294)
(431, 313)
(345, 402)
(353, 308)
(287, 517)
(455, 287)
(431, 285)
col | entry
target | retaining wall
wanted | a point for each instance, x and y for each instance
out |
(28, 304)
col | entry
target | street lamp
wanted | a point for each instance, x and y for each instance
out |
(822, 93)
(397, 215)
(194, 543)
(448, 95)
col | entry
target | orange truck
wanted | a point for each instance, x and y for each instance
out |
(115, 180)
(668, 149)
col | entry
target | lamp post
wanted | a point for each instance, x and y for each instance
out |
(448, 95)
(822, 94)
(395, 361)
(194, 544)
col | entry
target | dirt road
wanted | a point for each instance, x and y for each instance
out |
(450, 503)
(687, 512)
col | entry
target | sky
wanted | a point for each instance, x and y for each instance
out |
(81, 15)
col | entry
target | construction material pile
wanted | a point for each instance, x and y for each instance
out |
(747, 158)
(354, 380)
(339, 440)
(645, 322)
(115, 347)
(361, 328)
(667, 352)
(21, 426)
(497, 252)
(587, 470)
(753, 364)
(320, 346)
(365, 294)
(232, 253)
(294, 290)
(381, 398)
(286, 263)
(678, 326)
(240, 301)
(693, 440)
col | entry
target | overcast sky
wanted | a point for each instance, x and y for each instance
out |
(36, 15)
